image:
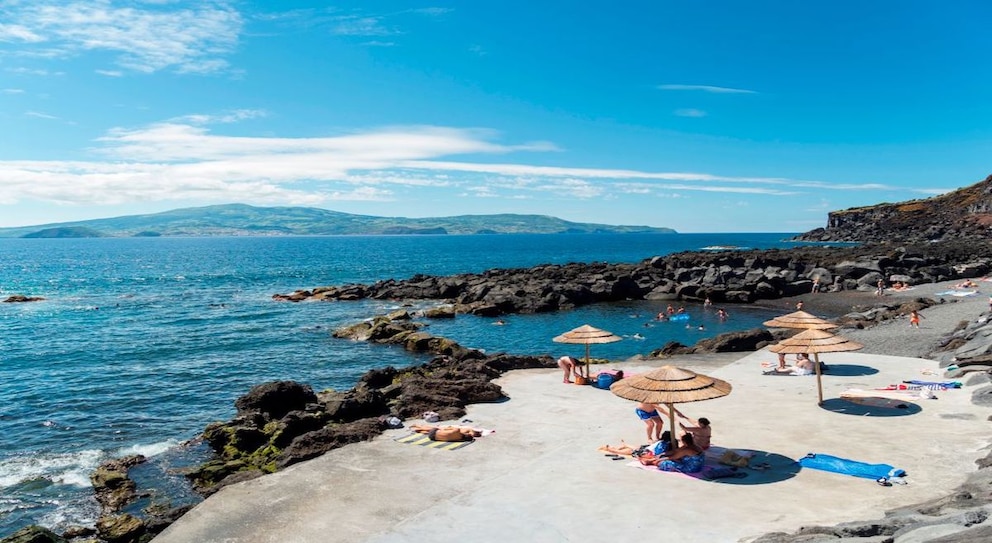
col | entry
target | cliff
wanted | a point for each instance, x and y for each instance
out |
(965, 213)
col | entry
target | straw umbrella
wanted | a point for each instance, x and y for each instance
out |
(816, 342)
(670, 385)
(587, 335)
(800, 319)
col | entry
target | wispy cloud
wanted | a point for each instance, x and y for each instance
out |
(689, 112)
(433, 12)
(146, 37)
(182, 160)
(40, 115)
(354, 25)
(18, 34)
(110, 73)
(706, 88)
(13, 91)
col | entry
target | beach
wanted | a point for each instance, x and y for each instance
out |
(540, 477)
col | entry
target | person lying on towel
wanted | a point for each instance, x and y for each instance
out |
(688, 458)
(447, 433)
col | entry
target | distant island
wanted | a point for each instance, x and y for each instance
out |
(246, 220)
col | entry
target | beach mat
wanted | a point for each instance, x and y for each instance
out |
(424, 441)
(826, 462)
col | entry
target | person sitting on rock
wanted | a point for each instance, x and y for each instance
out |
(447, 433)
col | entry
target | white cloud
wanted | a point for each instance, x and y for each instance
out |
(689, 112)
(706, 88)
(182, 159)
(40, 115)
(110, 73)
(13, 91)
(18, 33)
(146, 38)
(355, 25)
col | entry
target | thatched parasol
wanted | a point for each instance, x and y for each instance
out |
(800, 319)
(816, 342)
(670, 385)
(587, 335)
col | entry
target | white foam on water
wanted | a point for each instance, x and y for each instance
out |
(148, 450)
(60, 468)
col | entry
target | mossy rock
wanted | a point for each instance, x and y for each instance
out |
(123, 528)
(33, 534)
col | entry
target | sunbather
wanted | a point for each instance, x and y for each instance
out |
(447, 433)
(659, 447)
(688, 458)
(699, 429)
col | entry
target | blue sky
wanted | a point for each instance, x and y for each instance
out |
(700, 116)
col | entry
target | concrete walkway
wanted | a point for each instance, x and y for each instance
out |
(539, 477)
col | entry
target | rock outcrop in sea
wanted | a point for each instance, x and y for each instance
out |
(723, 277)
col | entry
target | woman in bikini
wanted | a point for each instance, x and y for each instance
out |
(688, 458)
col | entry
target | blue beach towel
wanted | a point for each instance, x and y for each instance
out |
(836, 464)
(944, 384)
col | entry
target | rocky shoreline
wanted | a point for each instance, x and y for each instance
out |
(282, 423)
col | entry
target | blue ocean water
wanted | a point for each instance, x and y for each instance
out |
(143, 341)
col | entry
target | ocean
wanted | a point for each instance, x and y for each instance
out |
(141, 342)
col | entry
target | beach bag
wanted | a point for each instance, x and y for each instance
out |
(731, 458)
(604, 380)
(431, 416)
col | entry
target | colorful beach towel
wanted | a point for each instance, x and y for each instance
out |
(942, 384)
(844, 466)
(424, 441)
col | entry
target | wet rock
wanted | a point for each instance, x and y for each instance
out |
(122, 528)
(34, 534)
(111, 484)
(275, 399)
(18, 298)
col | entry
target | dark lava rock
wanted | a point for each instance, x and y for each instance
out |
(276, 398)
(18, 298)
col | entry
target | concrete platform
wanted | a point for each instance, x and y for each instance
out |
(539, 477)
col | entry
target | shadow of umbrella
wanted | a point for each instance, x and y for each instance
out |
(816, 342)
(587, 335)
(670, 385)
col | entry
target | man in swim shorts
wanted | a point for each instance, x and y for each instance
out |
(649, 414)
(447, 433)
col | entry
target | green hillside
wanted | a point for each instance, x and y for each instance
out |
(245, 220)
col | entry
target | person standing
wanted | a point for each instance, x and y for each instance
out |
(914, 318)
(567, 365)
(816, 285)
(648, 412)
(880, 288)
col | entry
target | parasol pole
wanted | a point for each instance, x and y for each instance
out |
(671, 429)
(819, 383)
(587, 361)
